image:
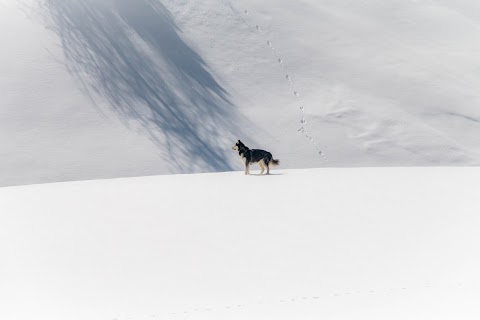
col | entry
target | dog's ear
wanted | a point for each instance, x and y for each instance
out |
(240, 142)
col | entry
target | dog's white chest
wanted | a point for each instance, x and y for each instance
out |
(244, 159)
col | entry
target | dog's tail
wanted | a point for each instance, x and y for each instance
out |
(275, 162)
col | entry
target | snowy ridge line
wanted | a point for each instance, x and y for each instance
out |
(295, 91)
(299, 299)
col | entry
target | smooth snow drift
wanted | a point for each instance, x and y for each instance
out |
(112, 88)
(370, 244)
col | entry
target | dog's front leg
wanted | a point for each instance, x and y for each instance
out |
(247, 168)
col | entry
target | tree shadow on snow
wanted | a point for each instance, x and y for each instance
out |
(131, 52)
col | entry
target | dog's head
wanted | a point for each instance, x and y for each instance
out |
(238, 146)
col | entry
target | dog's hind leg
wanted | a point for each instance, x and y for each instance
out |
(267, 164)
(262, 166)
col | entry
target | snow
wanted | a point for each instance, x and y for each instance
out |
(364, 243)
(96, 89)
(116, 88)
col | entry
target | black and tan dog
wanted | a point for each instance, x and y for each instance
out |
(249, 156)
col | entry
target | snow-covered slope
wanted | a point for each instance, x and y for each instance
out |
(383, 243)
(111, 88)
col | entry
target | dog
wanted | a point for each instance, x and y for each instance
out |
(249, 156)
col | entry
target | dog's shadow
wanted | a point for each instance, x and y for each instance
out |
(266, 175)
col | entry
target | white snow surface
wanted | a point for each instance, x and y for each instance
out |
(364, 243)
(115, 88)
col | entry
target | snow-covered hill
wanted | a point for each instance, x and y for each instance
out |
(384, 243)
(112, 88)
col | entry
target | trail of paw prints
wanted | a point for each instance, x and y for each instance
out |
(194, 312)
(301, 104)
(348, 294)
